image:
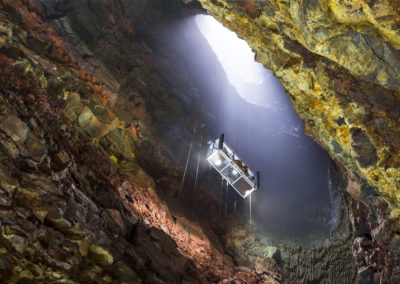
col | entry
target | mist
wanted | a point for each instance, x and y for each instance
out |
(250, 79)
(247, 103)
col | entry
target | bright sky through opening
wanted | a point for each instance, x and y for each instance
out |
(236, 58)
(260, 124)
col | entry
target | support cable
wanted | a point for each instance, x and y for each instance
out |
(186, 166)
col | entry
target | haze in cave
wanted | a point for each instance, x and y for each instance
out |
(296, 198)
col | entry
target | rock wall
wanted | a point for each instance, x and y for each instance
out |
(338, 61)
(78, 134)
(61, 218)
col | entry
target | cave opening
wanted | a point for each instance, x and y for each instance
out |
(297, 199)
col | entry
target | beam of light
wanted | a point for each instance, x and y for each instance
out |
(256, 116)
(251, 80)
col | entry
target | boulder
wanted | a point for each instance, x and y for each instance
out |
(100, 255)
(16, 128)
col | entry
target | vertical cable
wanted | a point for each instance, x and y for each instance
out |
(248, 139)
(184, 173)
(226, 198)
(197, 171)
(250, 207)
(234, 221)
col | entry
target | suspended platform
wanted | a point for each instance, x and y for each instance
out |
(232, 168)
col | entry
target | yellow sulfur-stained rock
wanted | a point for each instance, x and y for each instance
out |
(100, 255)
(339, 61)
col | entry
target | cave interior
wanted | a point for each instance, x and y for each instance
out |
(108, 109)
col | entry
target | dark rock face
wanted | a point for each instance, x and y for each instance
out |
(374, 246)
(366, 153)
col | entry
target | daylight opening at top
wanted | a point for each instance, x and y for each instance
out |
(260, 125)
(236, 58)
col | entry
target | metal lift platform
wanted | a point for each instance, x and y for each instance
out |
(232, 168)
